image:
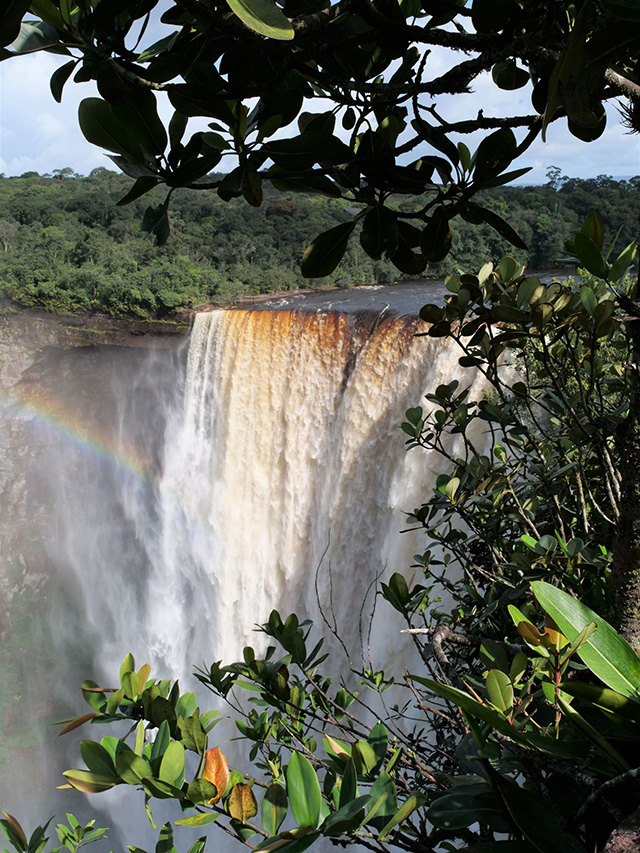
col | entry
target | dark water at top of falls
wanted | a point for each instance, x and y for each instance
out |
(404, 300)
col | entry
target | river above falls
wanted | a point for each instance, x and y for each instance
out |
(402, 299)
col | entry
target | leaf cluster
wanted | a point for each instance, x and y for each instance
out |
(336, 101)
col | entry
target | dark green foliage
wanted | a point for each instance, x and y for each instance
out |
(278, 82)
(68, 248)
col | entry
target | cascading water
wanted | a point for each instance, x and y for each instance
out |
(267, 469)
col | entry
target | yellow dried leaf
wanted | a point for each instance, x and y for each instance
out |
(216, 771)
(242, 803)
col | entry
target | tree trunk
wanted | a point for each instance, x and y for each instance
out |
(626, 555)
(626, 838)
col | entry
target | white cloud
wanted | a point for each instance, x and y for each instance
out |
(37, 134)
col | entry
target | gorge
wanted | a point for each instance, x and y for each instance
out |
(162, 493)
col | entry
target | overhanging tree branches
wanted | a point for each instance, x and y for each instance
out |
(345, 99)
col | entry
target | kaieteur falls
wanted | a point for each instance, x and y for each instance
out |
(167, 499)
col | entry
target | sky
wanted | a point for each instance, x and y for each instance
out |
(38, 134)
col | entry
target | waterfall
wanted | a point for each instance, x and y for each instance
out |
(286, 476)
(262, 468)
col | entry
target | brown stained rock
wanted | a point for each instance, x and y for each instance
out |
(626, 838)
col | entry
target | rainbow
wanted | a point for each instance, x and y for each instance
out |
(51, 414)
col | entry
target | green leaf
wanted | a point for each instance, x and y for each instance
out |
(608, 701)
(156, 220)
(379, 740)
(139, 115)
(606, 653)
(130, 767)
(500, 689)
(568, 66)
(161, 790)
(588, 298)
(459, 809)
(592, 228)
(589, 255)
(202, 791)
(349, 786)
(159, 746)
(36, 36)
(142, 185)
(507, 75)
(405, 810)
(573, 647)
(274, 808)
(500, 225)
(494, 656)
(97, 759)
(173, 764)
(384, 788)
(624, 260)
(198, 819)
(324, 254)
(131, 685)
(593, 734)
(165, 839)
(495, 153)
(628, 10)
(346, 818)
(435, 241)
(99, 127)
(481, 712)
(317, 184)
(364, 757)
(10, 20)
(264, 17)
(405, 259)
(161, 46)
(89, 782)
(60, 77)
(303, 789)
(541, 826)
(380, 234)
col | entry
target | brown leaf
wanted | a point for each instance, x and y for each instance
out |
(17, 829)
(530, 634)
(77, 722)
(242, 803)
(216, 771)
(143, 675)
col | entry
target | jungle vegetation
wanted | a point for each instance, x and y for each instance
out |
(67, 247)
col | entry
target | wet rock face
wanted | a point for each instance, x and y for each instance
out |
(71, 392)
(57, 377)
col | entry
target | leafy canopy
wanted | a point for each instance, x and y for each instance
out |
(345, 99)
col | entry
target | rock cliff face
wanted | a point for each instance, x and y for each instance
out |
(62, 387)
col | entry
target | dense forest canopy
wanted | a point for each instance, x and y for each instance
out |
(67, 247)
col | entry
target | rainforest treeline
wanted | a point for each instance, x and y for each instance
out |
(65, 246)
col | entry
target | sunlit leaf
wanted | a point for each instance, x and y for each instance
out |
(264, 17)
(216, 771)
